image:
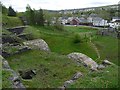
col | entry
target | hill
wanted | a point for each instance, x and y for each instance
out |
(9, 22)
(53, 69)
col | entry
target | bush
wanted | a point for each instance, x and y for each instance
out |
(77, 38)
(59, 26)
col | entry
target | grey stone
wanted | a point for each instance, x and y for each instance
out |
(37, 44)
(66, 83)
(84, 59)
(27, 74)
(77, 75)
(5, 64)
(100, 67)
(106, 62)
(61, 88)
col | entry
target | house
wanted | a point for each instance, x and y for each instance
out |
(115, 18)
(63, 20)
(91, 17)
(83, 21)
(97, 21)
(73, 21)
(115, 24)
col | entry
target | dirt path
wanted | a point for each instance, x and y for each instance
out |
(96, 49)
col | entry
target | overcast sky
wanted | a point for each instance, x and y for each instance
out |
(20, 5)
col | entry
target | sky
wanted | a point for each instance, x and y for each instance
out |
(20, 5)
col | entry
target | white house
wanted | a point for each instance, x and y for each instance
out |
(115, 23)
(91, 17)
(63, 20)
(115, 18)
(97, 21)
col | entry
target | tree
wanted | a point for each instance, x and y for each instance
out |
(11, 11)
(3, 9)
(41, 18)
(30, 15)
(34, 17)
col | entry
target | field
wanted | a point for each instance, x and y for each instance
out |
(54, 68)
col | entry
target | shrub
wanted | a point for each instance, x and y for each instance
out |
(59, 26)
(77, 38)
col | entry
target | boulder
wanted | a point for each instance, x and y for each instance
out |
(77, 75)
(100, 67)
(16, 80)
(37, 44)
(66, 83)
(106, 62)
(84, 59)
(5, 64)
(27, 74)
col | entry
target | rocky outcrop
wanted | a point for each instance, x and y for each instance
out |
(84, 59)
(100, 67)
(37, 44)
(106, 62)
(27, 74)
(17, 30)
(72, 80)
(15, 80)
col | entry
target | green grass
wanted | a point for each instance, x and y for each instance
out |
(107, 78)
(11, 21)
(1, 71)
(52, 69)
(61, 42)
(6, 75)
(80, 29)
(108, 48)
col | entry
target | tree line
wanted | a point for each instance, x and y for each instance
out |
(34, 17)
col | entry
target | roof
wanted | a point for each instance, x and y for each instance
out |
(117, 21)
(93, 15)
(82, 20)
(116, 18)
(97, 19)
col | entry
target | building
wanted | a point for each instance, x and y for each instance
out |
(115, 24)
(73, 21)
(97, 21)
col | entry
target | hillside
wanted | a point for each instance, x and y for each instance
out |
(54, 68)
(9, 22)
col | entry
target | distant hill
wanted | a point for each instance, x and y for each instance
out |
(85, 9)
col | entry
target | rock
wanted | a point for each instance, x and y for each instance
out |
(100, 67)
(106, 62)
(16, 80)
(61, 88)
(84, 59)
(5, 64)
(66, 83)
(37, 44)
(27, 74)
(77, 75)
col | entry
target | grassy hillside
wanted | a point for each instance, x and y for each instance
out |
(54, 68)
(11, 21)
(62, 42)
(108, 48)
(107, 78)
